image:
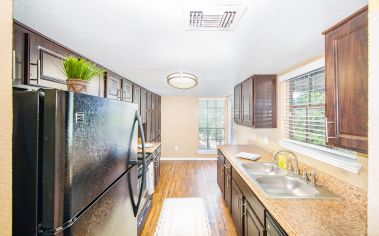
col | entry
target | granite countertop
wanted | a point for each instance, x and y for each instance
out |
(344, 216)
(150, 149)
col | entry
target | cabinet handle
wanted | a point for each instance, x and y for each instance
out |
(14, 65)
(118, 93)
(38, 71)
(243, 209)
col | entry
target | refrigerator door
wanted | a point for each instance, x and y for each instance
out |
(26, 120)
(111, 214)
(88, 143)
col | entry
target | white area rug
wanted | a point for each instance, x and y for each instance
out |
(183, 217)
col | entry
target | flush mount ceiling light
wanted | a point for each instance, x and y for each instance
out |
(182, 80)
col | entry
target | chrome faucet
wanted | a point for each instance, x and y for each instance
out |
(310, 177)
(294, 157)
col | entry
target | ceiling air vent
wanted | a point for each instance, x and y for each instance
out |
(213, 18)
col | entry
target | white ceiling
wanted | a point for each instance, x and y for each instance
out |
(145, 40)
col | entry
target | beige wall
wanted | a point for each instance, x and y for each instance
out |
(246, 135)
(373, 173)
(180, 127)
(5, 117)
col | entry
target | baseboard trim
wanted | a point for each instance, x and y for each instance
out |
(188, 158)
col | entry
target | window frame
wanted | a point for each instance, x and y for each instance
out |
(344, 159)
(307, 107)
(207, 128)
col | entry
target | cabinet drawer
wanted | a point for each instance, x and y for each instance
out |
(255, 204)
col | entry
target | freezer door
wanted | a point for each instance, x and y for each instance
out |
(26, 121)
(112, 214)
(89, 142)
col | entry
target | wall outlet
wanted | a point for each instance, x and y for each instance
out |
(265, 139)
(176, 148)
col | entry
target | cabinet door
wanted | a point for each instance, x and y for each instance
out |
(114, 84)
(157, 131)
(137, 96)
(148, 100)
(220, 175)
(159, 123)
(154, 124)
(153, 101)
(237, 208)
(346, 64)
(143, 105)
(228, 189)
(149, 135)
(251, 226)
(264, 101)
(237, 104)
(20, 55)
(44, 64)
(247, 102)
(127, 91)
(159, 103)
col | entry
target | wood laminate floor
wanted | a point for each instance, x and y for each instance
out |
(191, 179)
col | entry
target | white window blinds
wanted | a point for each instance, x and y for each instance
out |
(304, 118)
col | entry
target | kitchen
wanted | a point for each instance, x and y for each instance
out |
(223, 118)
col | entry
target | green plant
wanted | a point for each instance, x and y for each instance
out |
(75, 68)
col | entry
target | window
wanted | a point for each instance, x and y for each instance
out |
(212, 126)
(304, 118)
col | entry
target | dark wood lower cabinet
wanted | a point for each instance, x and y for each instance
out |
(228, 189)
(220, 175)
(248, 213)
(237, 208)
(251, 224)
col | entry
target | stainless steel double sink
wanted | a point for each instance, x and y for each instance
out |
(279, 183)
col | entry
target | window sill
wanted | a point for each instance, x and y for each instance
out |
(207, 152)
(344, 160)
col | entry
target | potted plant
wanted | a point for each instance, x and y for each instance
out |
(79, 72)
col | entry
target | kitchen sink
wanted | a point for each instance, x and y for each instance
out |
(290, 186)
(279, 183)
(262, 168)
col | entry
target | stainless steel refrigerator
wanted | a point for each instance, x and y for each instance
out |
(74, 164)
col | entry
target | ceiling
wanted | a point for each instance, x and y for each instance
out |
(146, 40)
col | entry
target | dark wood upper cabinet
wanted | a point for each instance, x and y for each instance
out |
(237, 104)
(117, 87)
(159, 103)
(148, 100)
(153, 101)
(255, 102)
(143, 105)
(264, 101)
(137, 96)
(346, 75)
(127, 91)
(247, 102)
(113, 85)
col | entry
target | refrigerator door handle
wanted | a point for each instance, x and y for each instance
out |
(137, 119)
